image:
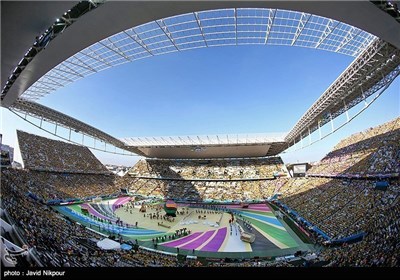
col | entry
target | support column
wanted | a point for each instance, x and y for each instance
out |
(319, 129)
(347, 111)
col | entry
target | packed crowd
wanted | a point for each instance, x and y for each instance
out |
(209, 169)
(338, 207)
(344, 216)
(371, 152)
(55, 185)
(40, 153)
(46, 231)
(380, 247)
(201, 190)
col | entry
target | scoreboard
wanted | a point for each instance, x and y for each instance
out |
(299, 168)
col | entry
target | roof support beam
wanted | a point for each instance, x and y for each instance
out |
(167, 33)
(371, 70)
(79, 65)
(327, 31)
(271, 17)
(97, 57)
(115, 49)
(200, 27)
(139, 41)
(352, 33)
(302, 23)
(236, 39)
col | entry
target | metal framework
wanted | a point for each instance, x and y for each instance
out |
(224, 27)
(41, 42)
(273, 143)
(205, 140)
(374, 68)
(392, 9)
(337, 127)
(47, 114)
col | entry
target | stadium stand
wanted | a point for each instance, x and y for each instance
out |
(201, 190)
(55, 185)
(51, 245)
(381, 245)
(43, 154)
(223, 169)
(374, 152)
(197, 180)
(338, 206)
(59, 170)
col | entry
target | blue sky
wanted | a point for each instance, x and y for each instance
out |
(221, 90)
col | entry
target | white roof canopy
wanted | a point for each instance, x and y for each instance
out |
(108, 244)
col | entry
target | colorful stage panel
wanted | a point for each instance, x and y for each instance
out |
(221, 237)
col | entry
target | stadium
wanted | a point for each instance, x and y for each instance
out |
(222, 200)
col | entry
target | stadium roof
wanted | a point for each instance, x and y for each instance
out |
(209, 146)
(226, 139)
(224, 27)
(47, 114)
(92, 44)
(238, 22)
